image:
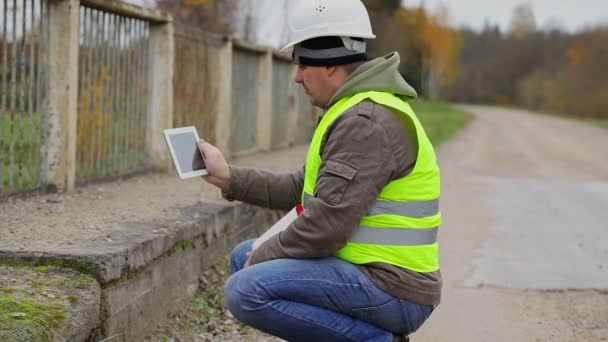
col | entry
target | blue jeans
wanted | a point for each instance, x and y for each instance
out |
(325, 299)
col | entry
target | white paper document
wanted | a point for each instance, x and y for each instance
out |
(278, 227)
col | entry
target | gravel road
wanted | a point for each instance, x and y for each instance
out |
(524, 245)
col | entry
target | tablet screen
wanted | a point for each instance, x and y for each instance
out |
(186, 150)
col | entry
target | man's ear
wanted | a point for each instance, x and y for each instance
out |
(331, 70)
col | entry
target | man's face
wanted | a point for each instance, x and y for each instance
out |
(314, 80)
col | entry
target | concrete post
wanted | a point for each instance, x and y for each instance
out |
(265, 102)
(59, 154)
(160, 98)
(224, 99)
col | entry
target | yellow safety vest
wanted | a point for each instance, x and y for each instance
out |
(401, 226)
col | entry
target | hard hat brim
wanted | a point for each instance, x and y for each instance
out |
(291, 44)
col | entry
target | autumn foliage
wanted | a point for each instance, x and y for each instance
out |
(428, 46)
(94, 119)
(541, 69)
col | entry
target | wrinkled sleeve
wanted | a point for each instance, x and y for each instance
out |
(357, 163)
(264, 188)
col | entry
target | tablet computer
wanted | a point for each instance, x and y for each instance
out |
(183, 144)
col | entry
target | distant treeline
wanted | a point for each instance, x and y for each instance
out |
(548, 70)
(551, 71)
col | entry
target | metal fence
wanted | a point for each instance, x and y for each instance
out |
(129, 74)
(195, 94)
(281, 80)
(23, 84)
(112, 94)
(245, 97)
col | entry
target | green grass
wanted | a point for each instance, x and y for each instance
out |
(26, 320)
(597, 122)
(24, 151)
(440, 120)
(23, 164)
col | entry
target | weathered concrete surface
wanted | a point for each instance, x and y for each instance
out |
(165, 285)
(136, 244)
(66, 301)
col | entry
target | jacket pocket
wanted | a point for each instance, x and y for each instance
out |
(338, 175)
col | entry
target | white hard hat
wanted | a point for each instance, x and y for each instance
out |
(320, 18)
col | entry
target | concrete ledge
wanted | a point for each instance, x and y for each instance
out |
(145, 276)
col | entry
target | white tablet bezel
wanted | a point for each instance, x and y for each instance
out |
(180, 173)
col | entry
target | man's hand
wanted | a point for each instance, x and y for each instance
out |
(248, 262)
(219, 172)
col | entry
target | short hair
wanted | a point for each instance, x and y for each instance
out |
(350, 68)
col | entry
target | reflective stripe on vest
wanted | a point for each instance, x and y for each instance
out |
(417, 209)
(395, 236)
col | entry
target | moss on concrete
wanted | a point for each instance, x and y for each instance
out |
(8, 290)
(179, 246)
(44, 264)
(26, 320)
(34, 305)
(42, 268)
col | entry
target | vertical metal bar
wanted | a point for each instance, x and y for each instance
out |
(105, 100)
(38, 67)
(82, 31)
(32, 157)
(128, 88)
(91, 98)
(99, 87)
(136, 109)
(123, 114)
(132, 74)
(13, 89)
(117, 74)
(146, 68)
(41, 62)
(45, 78)
(4, 93)
(114, 69)
(95, 78)
(38, 81)
(90, 151)
(85, 99)
(140, 93)
(88, 130)
(21, 80)
(119, 97)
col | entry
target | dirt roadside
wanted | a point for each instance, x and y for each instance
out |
(515, 146)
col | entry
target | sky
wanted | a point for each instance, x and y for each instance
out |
(572, 15)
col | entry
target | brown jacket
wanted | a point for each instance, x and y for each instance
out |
(363, 150)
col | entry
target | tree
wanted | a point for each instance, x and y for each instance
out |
(523, 22)
(443, 44)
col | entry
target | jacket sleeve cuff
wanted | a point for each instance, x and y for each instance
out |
(235, 188)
